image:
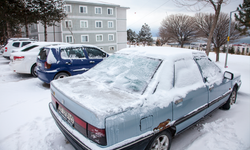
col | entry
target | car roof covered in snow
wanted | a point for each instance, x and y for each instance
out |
(72, 45)
(163, 52)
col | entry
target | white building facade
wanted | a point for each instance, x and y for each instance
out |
(88, 22)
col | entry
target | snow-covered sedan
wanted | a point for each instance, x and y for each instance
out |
(139, 98)
(24, 60)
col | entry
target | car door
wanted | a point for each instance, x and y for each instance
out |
(191, 103)
(94, 56)
(219, 88)
(74, 60)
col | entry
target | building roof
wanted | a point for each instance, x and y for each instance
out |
(94, 2)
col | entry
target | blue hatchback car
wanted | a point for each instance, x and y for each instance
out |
(61, 61)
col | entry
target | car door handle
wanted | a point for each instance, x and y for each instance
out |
(178, 101)
(68, 63)
(91, 62)
(211, 87)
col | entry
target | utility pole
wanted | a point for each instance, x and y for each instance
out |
(228, 37)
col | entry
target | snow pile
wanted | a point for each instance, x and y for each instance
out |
(219, 135)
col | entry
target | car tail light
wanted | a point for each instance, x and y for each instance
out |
(6, 48)
(97, 135)
(87, 130)
(47, 65)
(18, 58)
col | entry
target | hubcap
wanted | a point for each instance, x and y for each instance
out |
(161, 143)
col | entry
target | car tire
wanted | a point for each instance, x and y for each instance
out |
(231, 100)
(61, 75)
(33, 71)
(160, 141)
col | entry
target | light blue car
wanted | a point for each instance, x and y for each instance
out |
(140, 98)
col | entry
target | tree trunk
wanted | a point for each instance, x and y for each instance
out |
(26, 28)
(45, 32)
(217, 51)
(215, 19)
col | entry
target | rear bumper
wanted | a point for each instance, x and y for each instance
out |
(71, 138)
(19, 67)
(140, 143)
(46, 77)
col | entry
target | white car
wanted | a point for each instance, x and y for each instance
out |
(24, 61)
(13, 44)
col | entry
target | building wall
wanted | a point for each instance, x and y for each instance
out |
(118, 31)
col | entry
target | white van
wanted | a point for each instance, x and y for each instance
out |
(15, 43)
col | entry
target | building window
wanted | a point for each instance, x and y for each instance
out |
(69, 38)
(98, 10)
(83, 9)
(83, 24)
(68, 24)
(247, 50)
(111, 48)
(98, 24)
(111, 37)
(84, 38)
(110, 24)
(99, 38)
(110, 11)
(67, 8)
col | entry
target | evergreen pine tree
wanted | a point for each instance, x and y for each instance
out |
(244, 17)
(50, 12)
(144, 35)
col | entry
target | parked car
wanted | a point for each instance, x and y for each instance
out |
(13, 44)
(140, 98)
(61, 61)
(24, 61)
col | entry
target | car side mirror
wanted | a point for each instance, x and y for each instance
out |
(228, 75)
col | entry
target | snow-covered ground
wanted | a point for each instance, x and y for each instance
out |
(26, 122)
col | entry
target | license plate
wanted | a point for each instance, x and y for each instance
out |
(66, 115)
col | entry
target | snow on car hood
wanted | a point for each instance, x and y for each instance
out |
(96, 97)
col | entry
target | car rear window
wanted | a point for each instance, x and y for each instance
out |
(29, 48)
(43, 53)
(125, 72)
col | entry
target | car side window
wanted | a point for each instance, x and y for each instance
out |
(210, 71)
(16, 44)
(186, 73)
(95, 53)
(25, 43)
(72, 53)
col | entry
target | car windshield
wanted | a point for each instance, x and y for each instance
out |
(125, 72)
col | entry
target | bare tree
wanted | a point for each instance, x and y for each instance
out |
(164, 35)
(205, 21)
(179, 28)
(199, 4)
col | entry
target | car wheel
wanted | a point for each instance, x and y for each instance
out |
(61, 75)
(231, 100)
(161, 141)
(33, 71)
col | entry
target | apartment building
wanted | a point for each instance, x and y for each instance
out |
(88, 22)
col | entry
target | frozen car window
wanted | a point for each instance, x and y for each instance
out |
(210, 71)
(125, 72)
(95, 53)
(186, 73)
(29, 48)
(72, 52)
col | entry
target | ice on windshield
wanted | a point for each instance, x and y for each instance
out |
(125, 72)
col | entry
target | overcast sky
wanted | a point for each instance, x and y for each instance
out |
(153, 12)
